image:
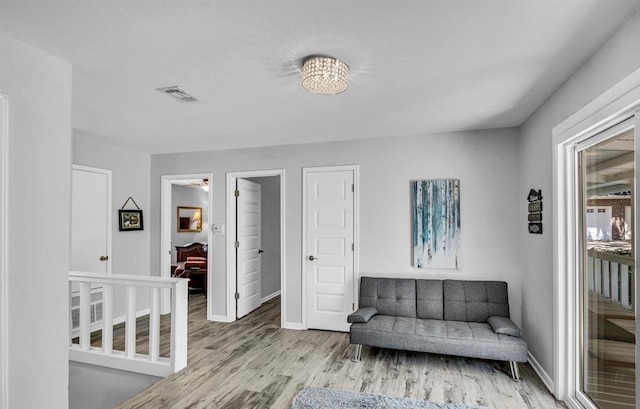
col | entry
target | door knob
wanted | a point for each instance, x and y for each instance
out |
(311, 258)
(260, 251)
(104, 258)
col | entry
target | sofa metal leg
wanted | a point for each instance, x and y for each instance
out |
(515, 372)
(357, 353)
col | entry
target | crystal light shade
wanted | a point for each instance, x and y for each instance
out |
(325, 75)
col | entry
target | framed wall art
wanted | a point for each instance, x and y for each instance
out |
(130, 220)
(436, 223)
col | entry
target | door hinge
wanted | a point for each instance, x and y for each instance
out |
(236, 193)
(353, 187)
(353, 247)
(353, 307)
(237, 244)
(237, 295)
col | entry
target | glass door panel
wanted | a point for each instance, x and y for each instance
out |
(607, 271)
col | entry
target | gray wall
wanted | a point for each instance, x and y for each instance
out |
(486, 162)
(130, 177)
(270, 209)
(616, 59)
(39, 201)
(191, 197)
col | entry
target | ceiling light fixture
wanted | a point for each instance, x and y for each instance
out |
(325, 75)
(179, 94)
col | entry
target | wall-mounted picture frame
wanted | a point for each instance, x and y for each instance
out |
(130, 220)
(436, 223)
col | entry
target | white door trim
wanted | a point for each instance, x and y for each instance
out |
(108, 174)
(613, 106)
(165, 235)
(356, 230)
(230, 239)
(4, 250)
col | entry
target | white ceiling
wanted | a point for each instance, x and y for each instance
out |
(417, 67)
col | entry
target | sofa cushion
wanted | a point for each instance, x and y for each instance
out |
(471, 339)
(503, 325)
(363, 314)
(474, 301)
(389, 296)
(429, 299)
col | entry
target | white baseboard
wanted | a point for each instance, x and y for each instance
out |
(293, 325)
(270, 296)
(546, 379)
(218, 318)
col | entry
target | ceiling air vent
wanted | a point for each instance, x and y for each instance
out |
(178, 94)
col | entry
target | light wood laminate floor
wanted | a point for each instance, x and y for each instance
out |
(253, 363)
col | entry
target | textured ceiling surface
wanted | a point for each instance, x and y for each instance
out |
(416, 67)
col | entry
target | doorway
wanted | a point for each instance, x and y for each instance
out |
(185, 229)
(255, 241)
(330, 229)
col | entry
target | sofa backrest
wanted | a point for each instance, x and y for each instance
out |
(429, 296)
(474, 301)
(452, 300)
(390, 296)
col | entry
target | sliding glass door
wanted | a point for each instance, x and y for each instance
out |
(607, 269)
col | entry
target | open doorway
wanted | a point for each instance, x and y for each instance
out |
(256, 252)
(186, 231)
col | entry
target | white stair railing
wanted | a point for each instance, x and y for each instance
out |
(81, 283)
(611, 276)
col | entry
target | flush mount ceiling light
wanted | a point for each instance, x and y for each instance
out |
(325, 75)
(179, 94)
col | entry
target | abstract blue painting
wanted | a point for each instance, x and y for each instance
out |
(436, 223)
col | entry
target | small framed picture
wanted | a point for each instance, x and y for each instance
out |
(130, 220)
(535, 207)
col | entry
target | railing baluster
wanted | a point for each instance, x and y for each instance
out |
(606, 282)
(590, 274)
(70, 312)
(154, 324)
(85, 316)
(598, 275)
(615, 281)
(179, 310)
(632, 285)
(107, 318)
(130, 322)
(624, 284)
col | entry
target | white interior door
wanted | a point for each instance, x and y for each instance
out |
(91, 220)
(330, 253)
(248, 242)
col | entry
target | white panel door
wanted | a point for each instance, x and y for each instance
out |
(248, 237)
(90, 220)
(329, 241)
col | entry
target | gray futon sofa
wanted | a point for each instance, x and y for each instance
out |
(450, 317)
